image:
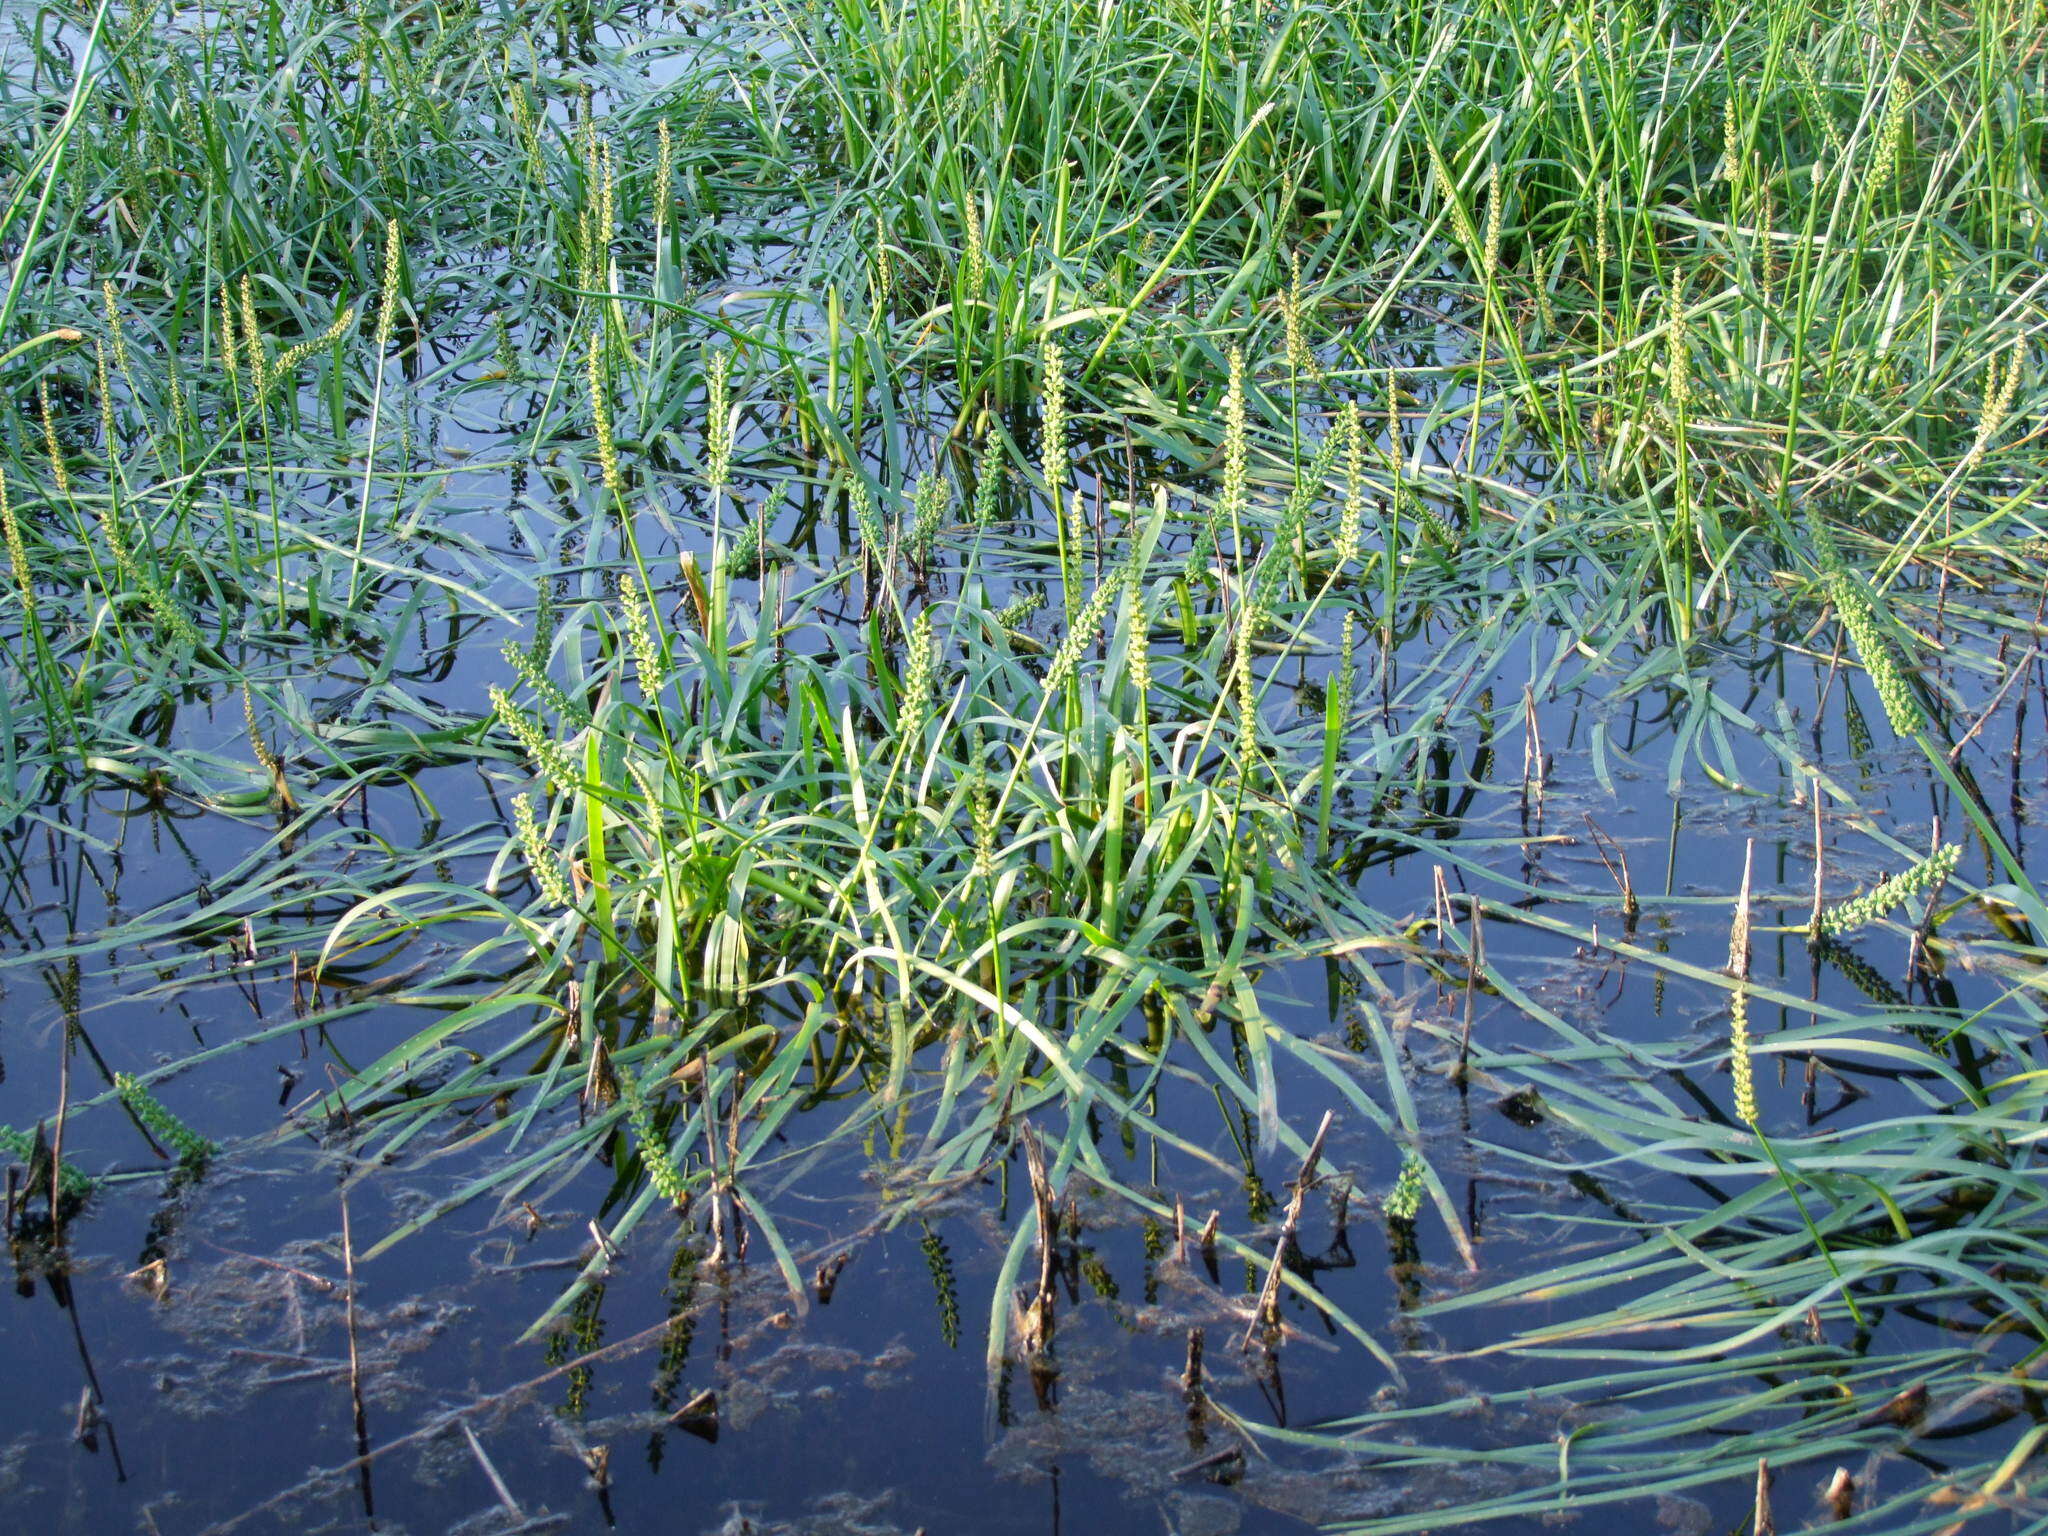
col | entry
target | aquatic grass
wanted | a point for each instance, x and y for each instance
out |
(1696, 337)
(776, 826)
(1889, 1237)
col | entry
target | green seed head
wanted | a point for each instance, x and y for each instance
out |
(988, 479)
(1351, 527)
(60, 475)
(1086, 624)
(17, 551)
(974, 264)
(1887, 895)
(544, 753)
(387, 301)
(664, 175)
(655, 1156)
(1404, 1200)
(1138, 651)
(601, 411)
(192, 1148)
(1053, 422)
(540, 857)
(1236, 455)
(718, 422)
(1740, 1067)
(638, 625)
(914, 708)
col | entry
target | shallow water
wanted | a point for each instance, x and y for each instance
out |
(184, 1364)
(225, 1378)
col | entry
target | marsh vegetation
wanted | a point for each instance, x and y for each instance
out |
(850, 765)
